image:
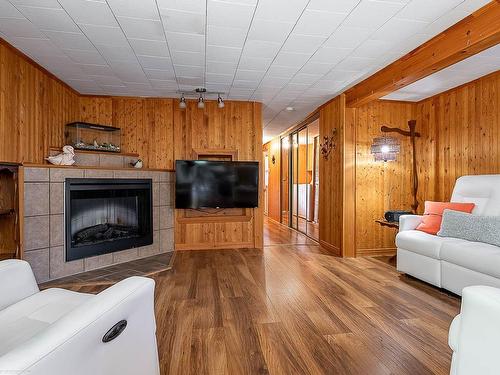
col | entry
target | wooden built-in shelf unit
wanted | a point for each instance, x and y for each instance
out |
(10, 207)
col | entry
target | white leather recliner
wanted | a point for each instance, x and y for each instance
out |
(475, 331)
(59, 332)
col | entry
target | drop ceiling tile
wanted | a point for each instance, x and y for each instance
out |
(312, 67)
(226, 36)
(139, 9)
(194, 6)
(163, 84)
(229, 14)
(405, 29)
(186, 42)
(291, 59)
(105, 35)
(355, 63)
(139, 28)
(189, 71)
(281, 71)
(372, 14)
(372, 49)
(280, 10)
(102, 70)
(260, 49)
(269, 30)
(116, 53)
(69, 40)
(155, 62)
(224, 54)
(330, 55)
(299, 43)
(160, 74)
(250, 63)
(246, 84)
(150, 47)
(313, 22)
(221, 67)
(54, 4)
(249, 75)
(188, 58)
(219, 78)
(217, 87)
(184, 22)
(305, 78)
(13, 27)
(89, 12)
(49, 19)
(106, 80)
(337, 6)
(427, 10)
(36, 47)
(196, 81)
(274, 82)
(348, 37)
(7, 10)
(85, 57)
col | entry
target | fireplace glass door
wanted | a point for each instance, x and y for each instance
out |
(104, 216)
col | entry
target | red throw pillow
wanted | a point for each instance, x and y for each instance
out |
(431, 222)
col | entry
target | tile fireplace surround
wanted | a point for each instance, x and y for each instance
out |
(44, 223)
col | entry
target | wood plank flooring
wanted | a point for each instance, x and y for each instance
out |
(294, 309)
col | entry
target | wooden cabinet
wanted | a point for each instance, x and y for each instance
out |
(10, 207)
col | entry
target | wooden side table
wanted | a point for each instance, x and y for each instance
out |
(390, 224)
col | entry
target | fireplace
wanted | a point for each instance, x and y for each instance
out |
(107, 215)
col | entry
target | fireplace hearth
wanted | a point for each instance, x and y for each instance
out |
(107, 215)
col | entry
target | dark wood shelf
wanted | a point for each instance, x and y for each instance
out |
(390, 224)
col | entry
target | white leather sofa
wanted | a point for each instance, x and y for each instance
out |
(59, 332)
(452, 263)
(474, 333)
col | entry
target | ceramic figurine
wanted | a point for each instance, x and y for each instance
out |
(137, 164)
(64, 158)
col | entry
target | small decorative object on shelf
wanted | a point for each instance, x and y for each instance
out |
(137, 164)
(94, 137)
(64, 158)
(329, 144)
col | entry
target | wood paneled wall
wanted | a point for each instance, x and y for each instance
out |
(34, 107)
(274, 184)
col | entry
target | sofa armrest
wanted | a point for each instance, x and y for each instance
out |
(476, 347)
(74, 344)
(17, 282)
(409, 222)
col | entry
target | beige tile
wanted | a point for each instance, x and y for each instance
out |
(106, 160)
(58, 265)
(166, 240)
(36, 174)
(36, 232)
(57, 198)
(124, 256)
(98, 261)
(166, 217)
(156, 240)
(155, 176)
(166, 176)
(36, 198)
(56, 230)
(132, 173)
(166, 194)
(147, 251)
(99, 173)
(84, 159)
(39, 262)
(156, 218)
(60, 174)
(156, 194)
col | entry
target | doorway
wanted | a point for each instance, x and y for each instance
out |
(300, 179)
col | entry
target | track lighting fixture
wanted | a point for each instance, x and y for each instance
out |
(182, 102)
(201, 102)
(220, 102)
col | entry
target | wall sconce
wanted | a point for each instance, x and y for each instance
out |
(386, 148)
(329, 144)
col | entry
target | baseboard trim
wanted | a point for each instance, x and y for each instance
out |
(375, 252)
(331, 248)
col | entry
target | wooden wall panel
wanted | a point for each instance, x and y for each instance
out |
(332, 116)
(34, 107)
(273, 149)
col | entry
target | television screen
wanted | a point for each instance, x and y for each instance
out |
(216, 184)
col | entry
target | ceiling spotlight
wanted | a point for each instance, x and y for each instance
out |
(201, 102)
(290, 109)
(220, 102)
(182, 102)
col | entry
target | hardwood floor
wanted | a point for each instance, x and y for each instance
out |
(294, 309)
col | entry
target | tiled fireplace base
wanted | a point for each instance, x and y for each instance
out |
(44, 220)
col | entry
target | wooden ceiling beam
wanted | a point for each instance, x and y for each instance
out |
(473, 34)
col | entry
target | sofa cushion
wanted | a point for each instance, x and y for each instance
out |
(23, 320)
(422, 243)
(476, 256)
(433, 214)
(469, 227)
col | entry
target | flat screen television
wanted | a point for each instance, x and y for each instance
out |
(216, 184)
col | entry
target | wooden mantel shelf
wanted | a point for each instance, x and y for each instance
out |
(47, 165)
(131, 154)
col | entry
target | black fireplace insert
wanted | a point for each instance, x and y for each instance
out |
(107, 215)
